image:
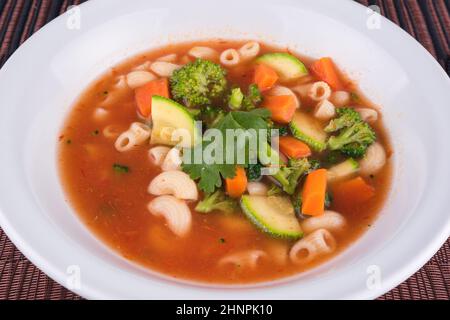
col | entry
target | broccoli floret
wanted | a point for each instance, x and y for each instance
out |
(333, 158)
(282, 130)
(235, 99)
(199, 83)
(274, 190)
(346, 117)
(253, 97)
(355, 135)
(354, 140)
(254, 171)
(296, 201)
(289, 176)
(216, 201)
(314, 165)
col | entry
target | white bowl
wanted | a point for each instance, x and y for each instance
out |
(43, 78)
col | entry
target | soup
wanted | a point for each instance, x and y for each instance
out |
(318, 176)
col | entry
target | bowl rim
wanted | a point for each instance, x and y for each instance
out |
(88, 291)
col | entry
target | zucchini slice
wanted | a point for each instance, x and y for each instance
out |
(168, 116)
(306, 128)
(286, 65)
(274, 215)
(343, 170)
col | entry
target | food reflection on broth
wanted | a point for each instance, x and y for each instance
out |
(138, 190)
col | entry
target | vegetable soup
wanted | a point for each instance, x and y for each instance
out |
(316, 180)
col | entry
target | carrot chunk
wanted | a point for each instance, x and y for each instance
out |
(294, 148)
(144, 94)
(236, 186)
(265, 77)
(352, 192)
(313, 194)
(281, 107)
(326, 71)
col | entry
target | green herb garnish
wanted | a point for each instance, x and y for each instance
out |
(210, 175)
(120, 168)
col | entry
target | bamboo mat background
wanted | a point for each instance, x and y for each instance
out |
(426, 20)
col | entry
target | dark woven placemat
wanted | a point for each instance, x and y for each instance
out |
(426, 20)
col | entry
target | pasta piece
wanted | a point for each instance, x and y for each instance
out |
(325, 110)
(141, 131)
(248, 258)
(203, 53)
(284, 91)
(164, 69)
(168, 58)
(340, 98)
(257, 189)
(120, 83)
(125, 142)
(172, 161)
(330, 220)
(319, 91)
(319, 243)
(230, 58)
(176, 213)
(176, 183)
(136, 135)
(367, 114)
(100, 114)
(143, 67)
(373, 161)
(158, 154)
(111, 131)
(136, 79)
(302, 90)
(249, 50)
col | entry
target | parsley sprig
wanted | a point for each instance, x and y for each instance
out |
(210, 175)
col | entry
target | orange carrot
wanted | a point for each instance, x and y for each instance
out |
(144, 94)
(313, 194)
(281, 107)
(236, 186)
(355, 191)
(326, 71)
(293, 148)
(265, 77)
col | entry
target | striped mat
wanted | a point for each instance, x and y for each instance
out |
(426, 20)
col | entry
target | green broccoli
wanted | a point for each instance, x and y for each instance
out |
(274, 190)
(282, 131)
(314, 165)
(217, 201)
(353, 141)
(354, 136)
(235, 99)
(288, 176)
(254, 171)
(199, 83)
(346, 117)
(253, 97)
